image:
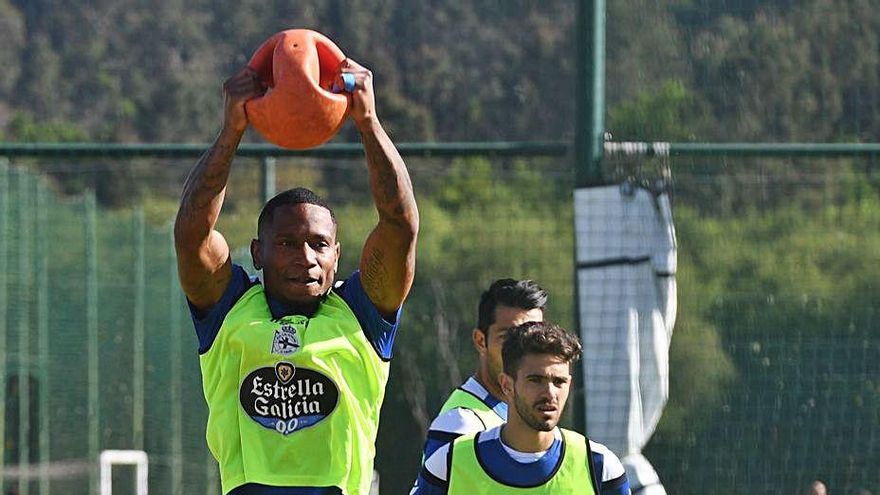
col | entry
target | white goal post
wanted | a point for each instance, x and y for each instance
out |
(137, 458)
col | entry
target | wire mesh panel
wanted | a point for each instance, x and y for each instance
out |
(96, 323)
(120, 368)
(774, 359)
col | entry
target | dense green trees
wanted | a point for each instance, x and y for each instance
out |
(135, 71)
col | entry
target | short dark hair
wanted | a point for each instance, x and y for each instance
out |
(538, 337)
(523, 294)
(293, 196)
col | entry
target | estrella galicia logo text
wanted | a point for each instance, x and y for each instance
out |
(287, 399)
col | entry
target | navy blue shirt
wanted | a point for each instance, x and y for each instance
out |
(378, 330)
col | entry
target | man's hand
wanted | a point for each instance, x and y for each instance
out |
(363, 100)
(237, 90)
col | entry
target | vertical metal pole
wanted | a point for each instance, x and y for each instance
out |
(4, 301)
(91, 283)
(268, 173)
(176, 298)
(212, 483)
(26, 231)
(139, 335)
(43, 305)
(589, 142)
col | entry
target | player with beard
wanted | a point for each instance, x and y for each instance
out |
(476, 404)
(529, 454)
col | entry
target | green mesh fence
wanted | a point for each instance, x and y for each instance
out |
(119, 368)
(774, 360)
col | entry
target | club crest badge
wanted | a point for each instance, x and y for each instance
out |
(284, 371)
(286, 340)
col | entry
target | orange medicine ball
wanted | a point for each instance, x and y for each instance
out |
(299, 110)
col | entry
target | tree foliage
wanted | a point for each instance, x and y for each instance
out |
(151, 71)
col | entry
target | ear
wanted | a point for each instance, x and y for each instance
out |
(256, 257)
(480, 341)
(506, 382)
(338, 254)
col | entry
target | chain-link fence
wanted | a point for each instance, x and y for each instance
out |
(774, 359)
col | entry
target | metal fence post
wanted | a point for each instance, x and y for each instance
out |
(25, 236)
(268, 176)
(139, 333)
(4, 301)
(175, 300)
(589, 134)
(590, 100)
(91, 282)
(43, 304)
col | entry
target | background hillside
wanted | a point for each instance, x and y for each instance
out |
(745, 70)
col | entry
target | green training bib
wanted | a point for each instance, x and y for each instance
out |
(467, 476)
(295, 401)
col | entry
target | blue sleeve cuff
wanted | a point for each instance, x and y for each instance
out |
(618, 486)
(379, 331)
(208, 323)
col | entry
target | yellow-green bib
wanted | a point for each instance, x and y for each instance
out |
(466, 400)
(467, 477)
(294, 401)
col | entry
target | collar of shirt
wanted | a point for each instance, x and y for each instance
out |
(280, 310)
(497, 405)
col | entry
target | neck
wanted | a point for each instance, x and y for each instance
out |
(523, 438)
(482, 377)
(280, 307)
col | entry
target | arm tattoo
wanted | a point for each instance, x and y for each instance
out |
(208, 179)
(374, 273)
(392, 190)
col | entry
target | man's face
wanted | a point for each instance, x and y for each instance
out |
(506, 317)
(540, 390)
(298, 253)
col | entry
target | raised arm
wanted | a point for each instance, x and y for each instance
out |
(203, 262)
(389, 256)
